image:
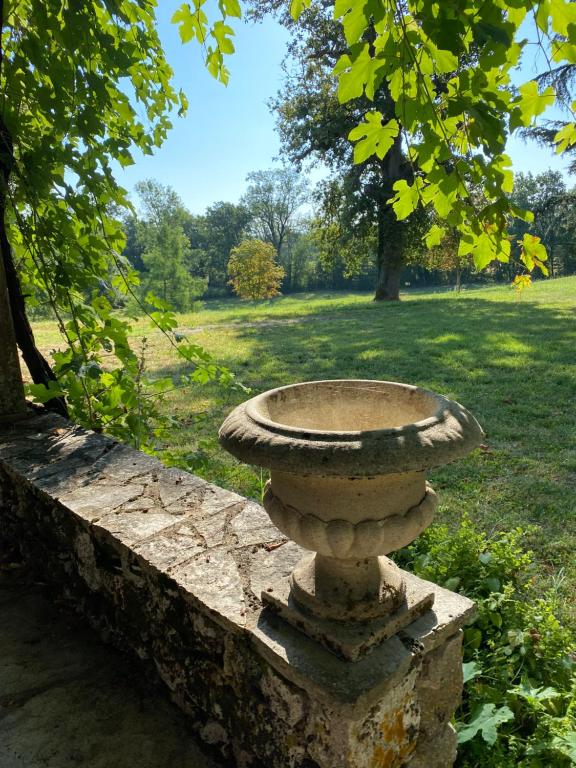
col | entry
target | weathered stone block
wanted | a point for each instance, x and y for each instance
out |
(439, 687)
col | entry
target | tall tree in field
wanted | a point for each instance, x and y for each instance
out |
(314, 127)
(166, 252)
(221, 228)
(253, 271)
(160, 204)
(167, 274)
(272, 199)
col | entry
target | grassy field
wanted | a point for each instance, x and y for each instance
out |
(511, 360)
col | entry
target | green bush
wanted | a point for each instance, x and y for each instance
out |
(519, 704)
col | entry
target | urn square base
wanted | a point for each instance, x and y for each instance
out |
(351, 640)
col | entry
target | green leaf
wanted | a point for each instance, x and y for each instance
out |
(91, 370)
(186, 27)
(221, 33)
(563, 15)
(473, 637)
(297, 6)
(372, 137)
(484, 249)
(357, 75)
(498, 33)
(565, 138)
(444, 61)
(521, 214)
(566, 745)
(406, 199)
(543, 16)
(354, 19)
(494, 585)
(42, 393)
(470, 670)
(531, 104)
(495, 617)
(533, 252)
(107, 379)
(533, 693)
(351, 82)
(230, 8)
(485, 721)
(156, 301)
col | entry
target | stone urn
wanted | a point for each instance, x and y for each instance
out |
(348, 462)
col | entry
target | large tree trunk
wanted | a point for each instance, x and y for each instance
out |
(39, 368)
(390, 252)
(388, 288)
(12, 399)
(390, 266)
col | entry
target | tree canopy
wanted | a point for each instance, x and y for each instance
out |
(449, 67)
(273, 198)
(166, 255)
(222, 227)
(253, 271)
(84, 85)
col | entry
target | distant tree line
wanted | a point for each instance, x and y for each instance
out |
(182, 256)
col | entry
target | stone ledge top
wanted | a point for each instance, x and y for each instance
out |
(211, 542)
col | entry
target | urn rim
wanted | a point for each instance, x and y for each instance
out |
(446, 432)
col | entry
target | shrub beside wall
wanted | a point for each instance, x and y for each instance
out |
(519, 706)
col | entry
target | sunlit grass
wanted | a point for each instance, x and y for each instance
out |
(510, 359)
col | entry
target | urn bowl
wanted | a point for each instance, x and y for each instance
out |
(348, 462)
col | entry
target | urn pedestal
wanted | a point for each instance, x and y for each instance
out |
(348, 462)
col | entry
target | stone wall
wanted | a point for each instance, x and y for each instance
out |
(171, 568)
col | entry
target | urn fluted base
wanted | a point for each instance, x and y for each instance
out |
(348, 590)
(349, 579)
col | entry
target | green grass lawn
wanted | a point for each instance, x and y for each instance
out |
(510, 359)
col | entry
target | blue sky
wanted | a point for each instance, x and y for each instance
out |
(229, 131)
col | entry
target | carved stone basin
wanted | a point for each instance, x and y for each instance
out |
(348, 461)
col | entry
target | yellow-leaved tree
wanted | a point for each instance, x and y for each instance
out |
(253, 271)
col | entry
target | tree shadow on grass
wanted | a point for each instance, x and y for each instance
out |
(507, 362)
(472, 349)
